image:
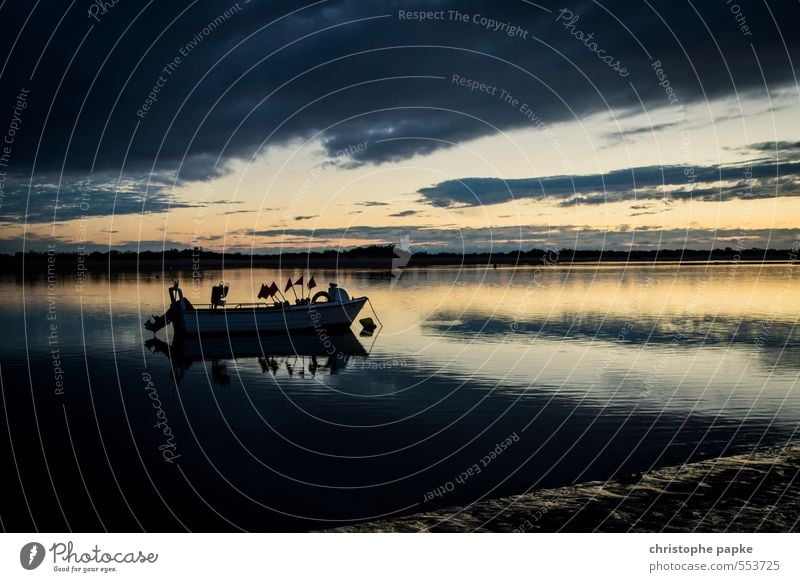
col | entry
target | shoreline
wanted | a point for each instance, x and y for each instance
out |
(385, 258)
(69, 265)
(755, 492)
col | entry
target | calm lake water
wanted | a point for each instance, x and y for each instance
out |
(482, 383)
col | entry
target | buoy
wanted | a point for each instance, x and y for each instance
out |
(367, 324)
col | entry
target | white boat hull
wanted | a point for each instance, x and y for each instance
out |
(320, 317)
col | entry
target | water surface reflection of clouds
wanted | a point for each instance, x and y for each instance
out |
(598, 369)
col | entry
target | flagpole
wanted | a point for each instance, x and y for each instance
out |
(311, 284)
(293, 291)
(278, 290)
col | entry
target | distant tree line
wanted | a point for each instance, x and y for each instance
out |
(373, 256)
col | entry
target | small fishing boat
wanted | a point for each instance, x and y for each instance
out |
(326, 311)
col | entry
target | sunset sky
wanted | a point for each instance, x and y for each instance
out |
(338, 124)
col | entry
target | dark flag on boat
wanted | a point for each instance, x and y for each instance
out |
(311, 282)
(299, 282)
(267, 292)
(288, 285)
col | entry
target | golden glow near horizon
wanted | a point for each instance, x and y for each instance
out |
(296, 188)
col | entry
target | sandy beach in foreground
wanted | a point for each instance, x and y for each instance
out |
(758, 492)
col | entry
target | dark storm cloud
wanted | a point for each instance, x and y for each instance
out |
(48, 201)
(229, 212)
(775, 151)
(647, 129)
(711, 183)
(350, 72)
(381, 233)
(776, 146)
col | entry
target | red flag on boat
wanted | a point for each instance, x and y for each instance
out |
(311, 282)
(299, 281)
(273, 289)
(264, 292)
(288, 285)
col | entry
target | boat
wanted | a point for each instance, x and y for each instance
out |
(326, 312)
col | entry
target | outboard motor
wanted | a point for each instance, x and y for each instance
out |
(175, 292)
(177, 303)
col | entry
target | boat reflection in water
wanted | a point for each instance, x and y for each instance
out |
(290, 356)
